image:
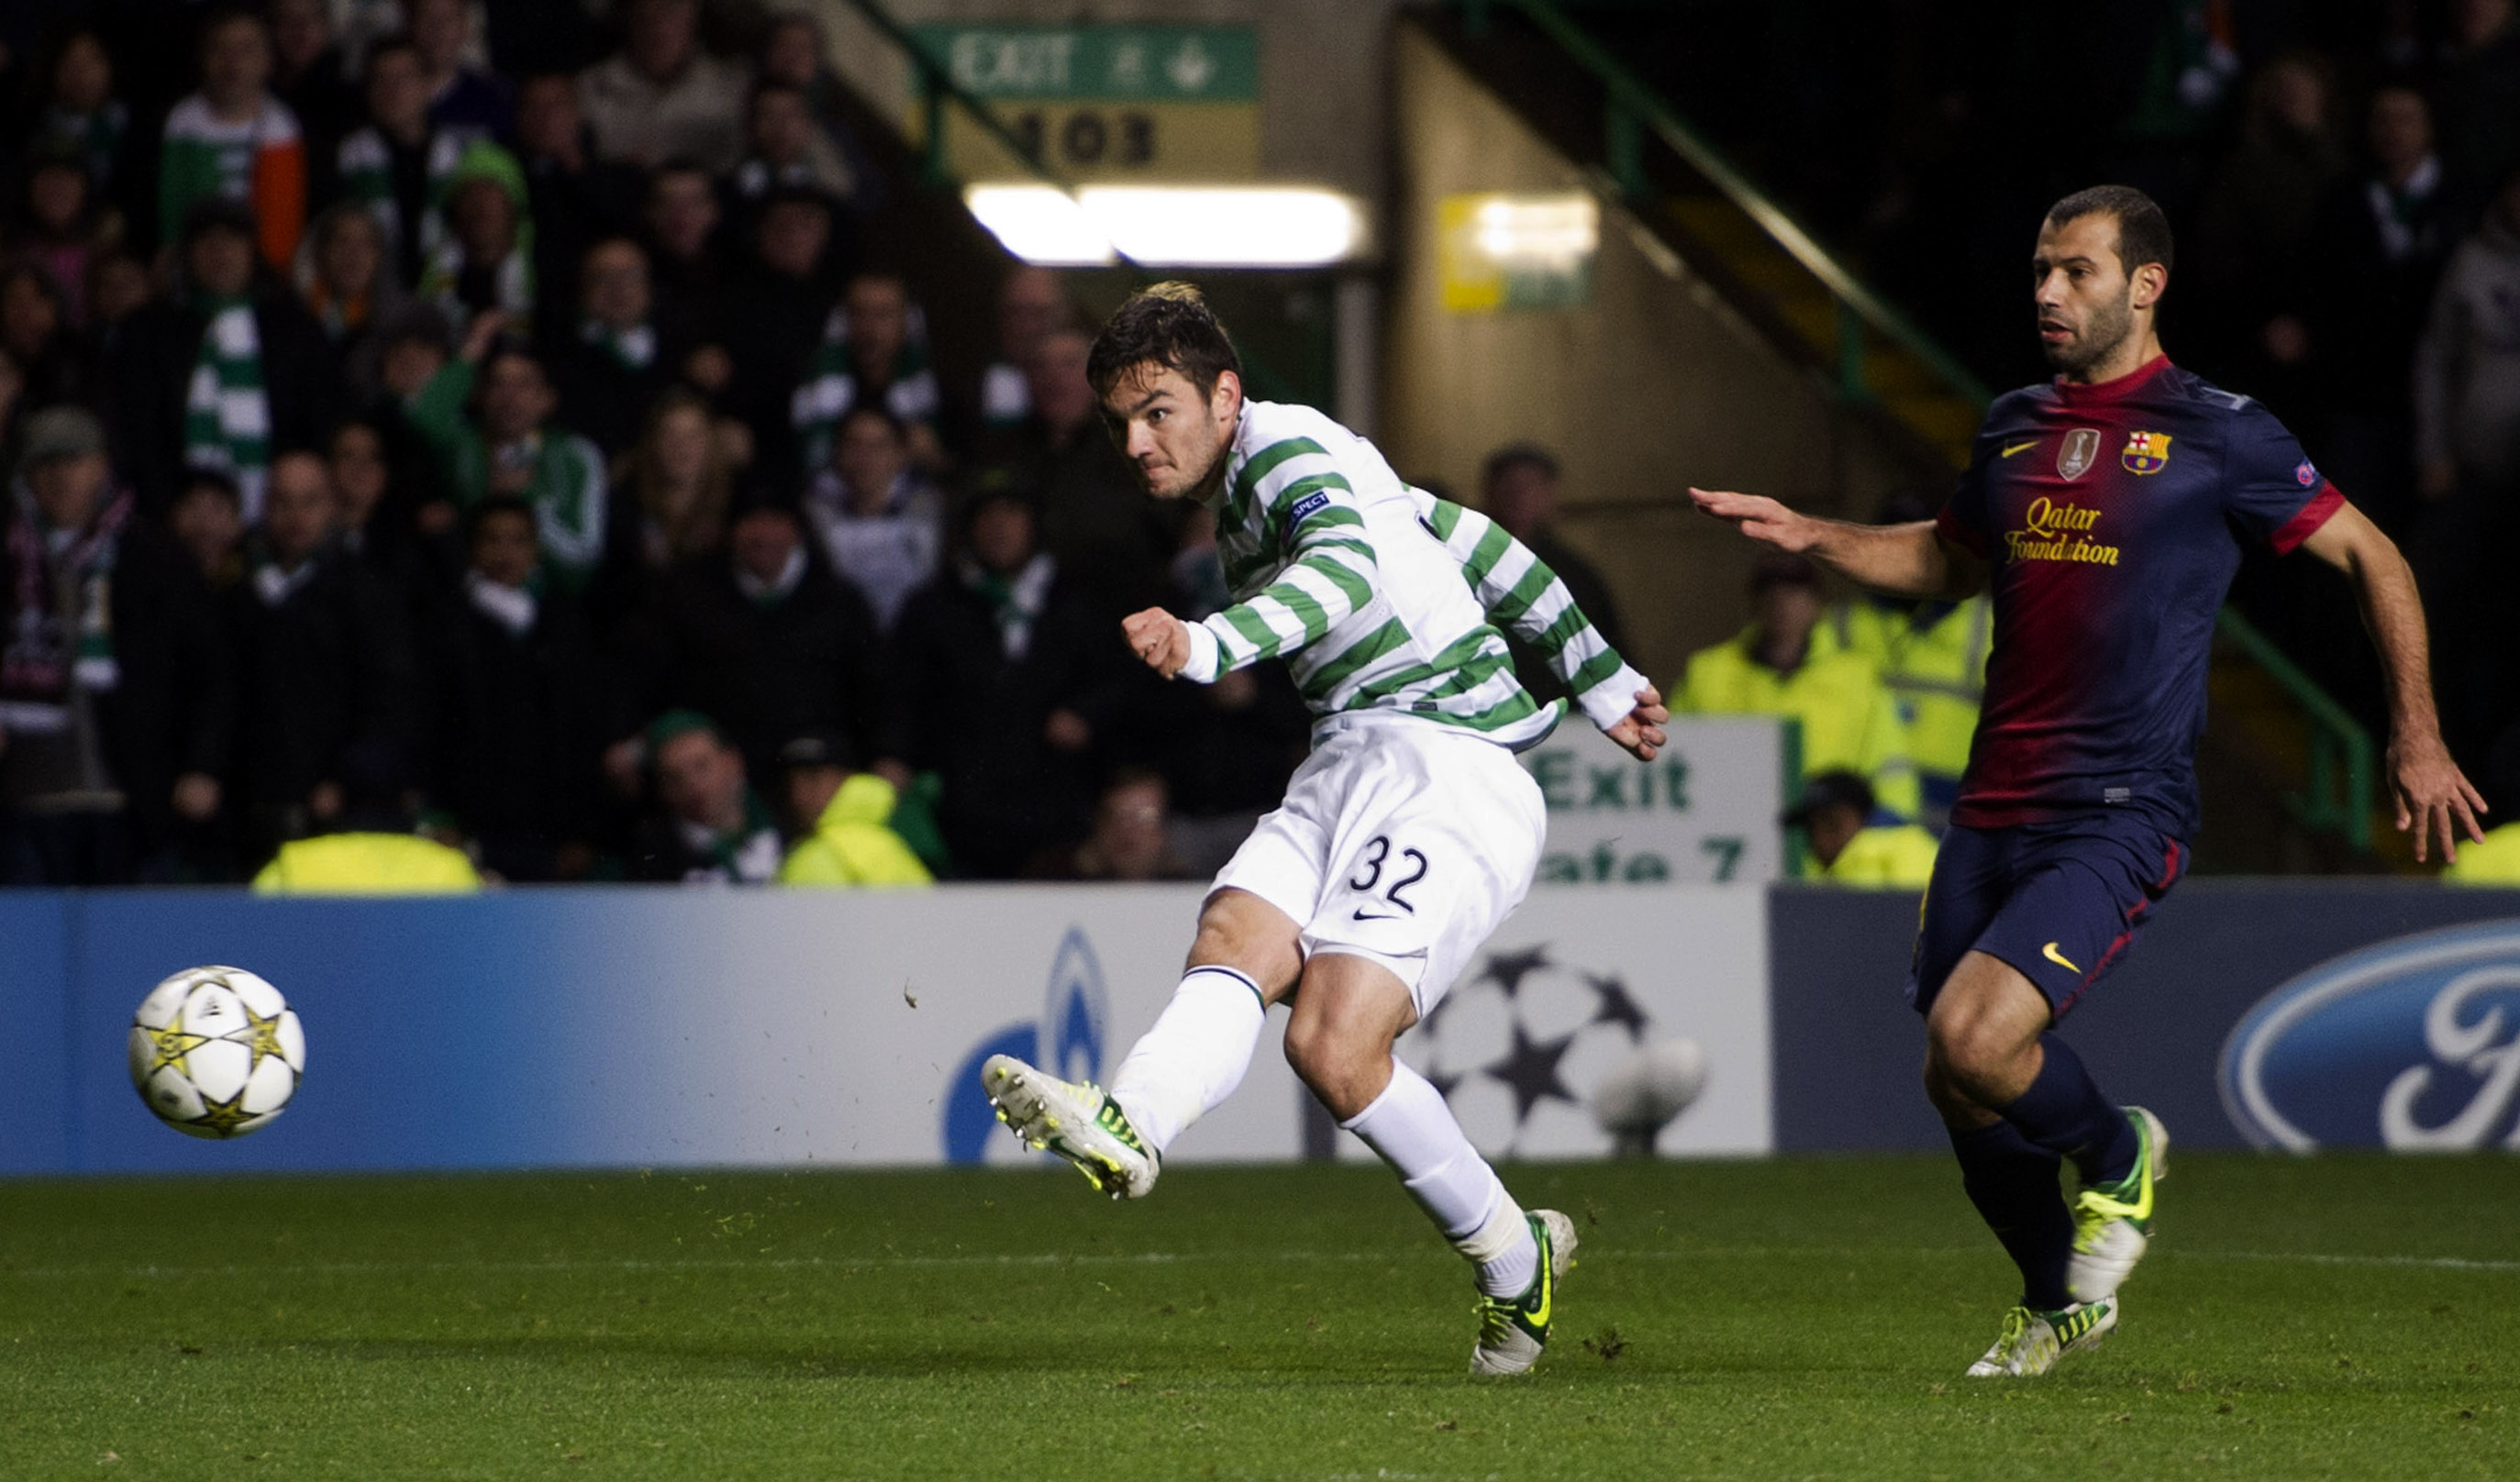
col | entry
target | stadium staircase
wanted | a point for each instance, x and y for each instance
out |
(2291, 775)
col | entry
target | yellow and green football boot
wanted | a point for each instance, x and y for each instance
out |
(1075, 1120)
(2032, 1341)
(1513, 1330)
(2113, 1224)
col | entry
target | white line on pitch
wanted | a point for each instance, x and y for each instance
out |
(1156, 1258)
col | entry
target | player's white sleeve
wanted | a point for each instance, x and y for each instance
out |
(1523, 596)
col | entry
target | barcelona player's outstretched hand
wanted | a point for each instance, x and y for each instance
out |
(1640, 731)
(2433, 794)
(1760, 517)
(1159, 638)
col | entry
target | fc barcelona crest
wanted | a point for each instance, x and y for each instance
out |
(2147, 452)
(2081, 448)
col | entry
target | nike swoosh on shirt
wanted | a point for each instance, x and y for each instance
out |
(2050, 952)
(2020, 447)
(1379, 915)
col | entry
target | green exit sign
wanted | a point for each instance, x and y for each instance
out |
(1099, 64)
(1145, 104)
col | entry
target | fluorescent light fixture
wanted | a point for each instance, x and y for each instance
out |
(1041, 225)
(1173, 225)
(1549, 234)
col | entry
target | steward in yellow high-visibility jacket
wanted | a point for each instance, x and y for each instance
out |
(1931, 657)
(852, 844)
(367, 864)
(1885, 855)
(1857, 843)
(1849, 720)
(2495, 862)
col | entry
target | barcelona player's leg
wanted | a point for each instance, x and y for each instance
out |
(2019, 922)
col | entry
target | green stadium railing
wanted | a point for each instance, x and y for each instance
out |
(1636, 111)
(2343, 771)
(2340, 793)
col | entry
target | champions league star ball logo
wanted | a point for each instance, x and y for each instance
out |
(1524, 1046)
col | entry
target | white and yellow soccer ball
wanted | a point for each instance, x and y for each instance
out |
(217, 1051)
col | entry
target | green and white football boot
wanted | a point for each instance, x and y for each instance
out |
(1513, 1330)
(2113, 1224)
(2033, 1341)
(1074, 1120)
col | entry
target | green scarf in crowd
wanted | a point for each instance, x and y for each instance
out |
(227, 411)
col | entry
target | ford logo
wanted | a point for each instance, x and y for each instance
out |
(2412, 1045)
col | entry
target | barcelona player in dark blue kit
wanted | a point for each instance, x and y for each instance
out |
(2106, 512)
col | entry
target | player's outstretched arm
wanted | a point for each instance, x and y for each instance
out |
(1526, 599)
(1904, 561)
(2433, 799)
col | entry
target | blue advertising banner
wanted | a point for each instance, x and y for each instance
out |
(2279, 1014)
(662, 1025)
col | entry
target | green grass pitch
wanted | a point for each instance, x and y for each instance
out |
(2339, 1317)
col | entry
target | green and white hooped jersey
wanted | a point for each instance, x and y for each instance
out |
(1383, 598)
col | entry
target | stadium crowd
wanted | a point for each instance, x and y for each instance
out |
(2344, 180)
(479, 423)
(480, 419)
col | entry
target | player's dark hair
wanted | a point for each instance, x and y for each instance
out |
(2143, 232)
(1168, 326)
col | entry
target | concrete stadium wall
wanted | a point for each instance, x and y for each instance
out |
(1649, 387)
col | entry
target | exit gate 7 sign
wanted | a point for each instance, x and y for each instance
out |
(1104, 102)
(1703, 811)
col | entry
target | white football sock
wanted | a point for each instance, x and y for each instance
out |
(1415, 1132)
(1193, 1058)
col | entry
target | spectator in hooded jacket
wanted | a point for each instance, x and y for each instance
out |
(845, 818)
(486, 260)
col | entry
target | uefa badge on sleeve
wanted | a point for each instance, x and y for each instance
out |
(2147, 452)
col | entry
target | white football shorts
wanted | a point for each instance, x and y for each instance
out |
(1404, 841)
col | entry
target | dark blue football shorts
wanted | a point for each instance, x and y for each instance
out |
(2058, 900)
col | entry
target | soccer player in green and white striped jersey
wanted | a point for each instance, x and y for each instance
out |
(1406, 836)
